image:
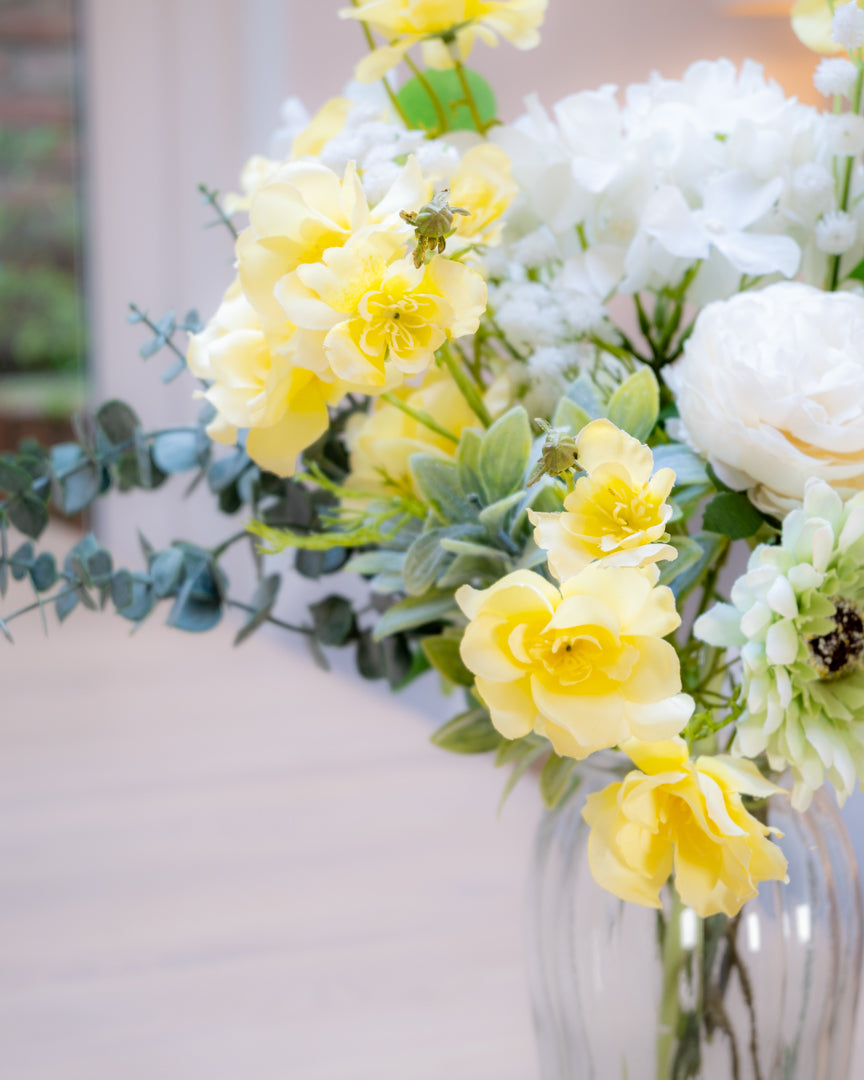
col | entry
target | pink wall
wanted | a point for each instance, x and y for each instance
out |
(584, 44)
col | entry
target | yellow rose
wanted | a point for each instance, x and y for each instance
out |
(256, 172)
(617, 512)
(325, 125)
(382, 442)
(381, 320)
(407, 22)
(811, 21)
(674, 814)
(585, 666)
(306, 210)
(284, 407)
(484, 185)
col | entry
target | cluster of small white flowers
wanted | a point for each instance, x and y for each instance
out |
(847, 26)
(718, 167)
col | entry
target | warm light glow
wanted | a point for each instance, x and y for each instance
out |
(756, 8)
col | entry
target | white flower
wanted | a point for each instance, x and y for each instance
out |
(536, 249)
(836, 232)
(835, 75)
(844, 134)
(796, 616)
(732, 203)
(812, 190)
(770, 389)
(847, 26)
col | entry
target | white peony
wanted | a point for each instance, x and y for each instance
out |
(770, 388)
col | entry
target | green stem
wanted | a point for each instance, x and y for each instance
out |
(440, 114)
(466, 386)
(833, 278)
(673, 959)
(270, 619)
(394, 101)
(420, 416)
(470, 100)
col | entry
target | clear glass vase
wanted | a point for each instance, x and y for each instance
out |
(622, 992)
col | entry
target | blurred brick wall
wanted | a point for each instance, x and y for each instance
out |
(39, 200)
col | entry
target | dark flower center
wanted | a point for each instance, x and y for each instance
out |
(839, 652)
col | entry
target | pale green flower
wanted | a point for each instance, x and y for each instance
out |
(797, 617)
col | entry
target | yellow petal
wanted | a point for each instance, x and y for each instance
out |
(811, 21)
(657, 757)
(601, 442)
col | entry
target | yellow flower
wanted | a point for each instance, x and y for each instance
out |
(381, 320)
(616, 513)
(811, 21)
(484, 185)
(284, 407)
(406, 22)
(671, 813)
(585, 666)
(382, 442)
(256, 172)
(325, 125)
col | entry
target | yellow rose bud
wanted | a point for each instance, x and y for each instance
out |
(617, 512)
(585, 665)
(811, 21)
(673, 814)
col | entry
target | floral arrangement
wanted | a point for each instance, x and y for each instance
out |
(535, 383)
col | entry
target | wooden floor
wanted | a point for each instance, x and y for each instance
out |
(223, 864)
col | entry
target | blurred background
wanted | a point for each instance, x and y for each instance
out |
(218, 863)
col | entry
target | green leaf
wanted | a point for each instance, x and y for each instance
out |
(99, 566)
(731, 514)
(468, 462)
(471, 732)
(122, 589)
(442, 652)
(13, 479)
(262, 603)
(688, 467)
(117, 422)
(22, 559)
(505, 454)
(315, 564)
(635, 405)
(334, 620)
(166, 572)
(370, 563)
(4, 555)
(370, 657)
(415, 611)
(28, 514)
(438, 485)
(66, 604)
(43, 572)
(494, 517)
(177, 451)
(570, 415)
(143, 599)
(424, 560)
(4, 630)
(858, 273)
(224, 472)
(584, 392)
(420, 111)
(689, 554)
(557, 780)
(75, 480)
(198, 606)
(711, 545)
(529, 753)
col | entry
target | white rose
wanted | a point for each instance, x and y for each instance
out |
(771, 389)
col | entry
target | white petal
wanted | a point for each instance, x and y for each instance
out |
(781, 598)
(781, 643)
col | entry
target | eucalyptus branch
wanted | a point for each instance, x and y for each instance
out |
(143, 317)
(249, 610)
(211, 197)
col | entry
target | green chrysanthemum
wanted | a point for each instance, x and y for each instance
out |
(798, 617)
